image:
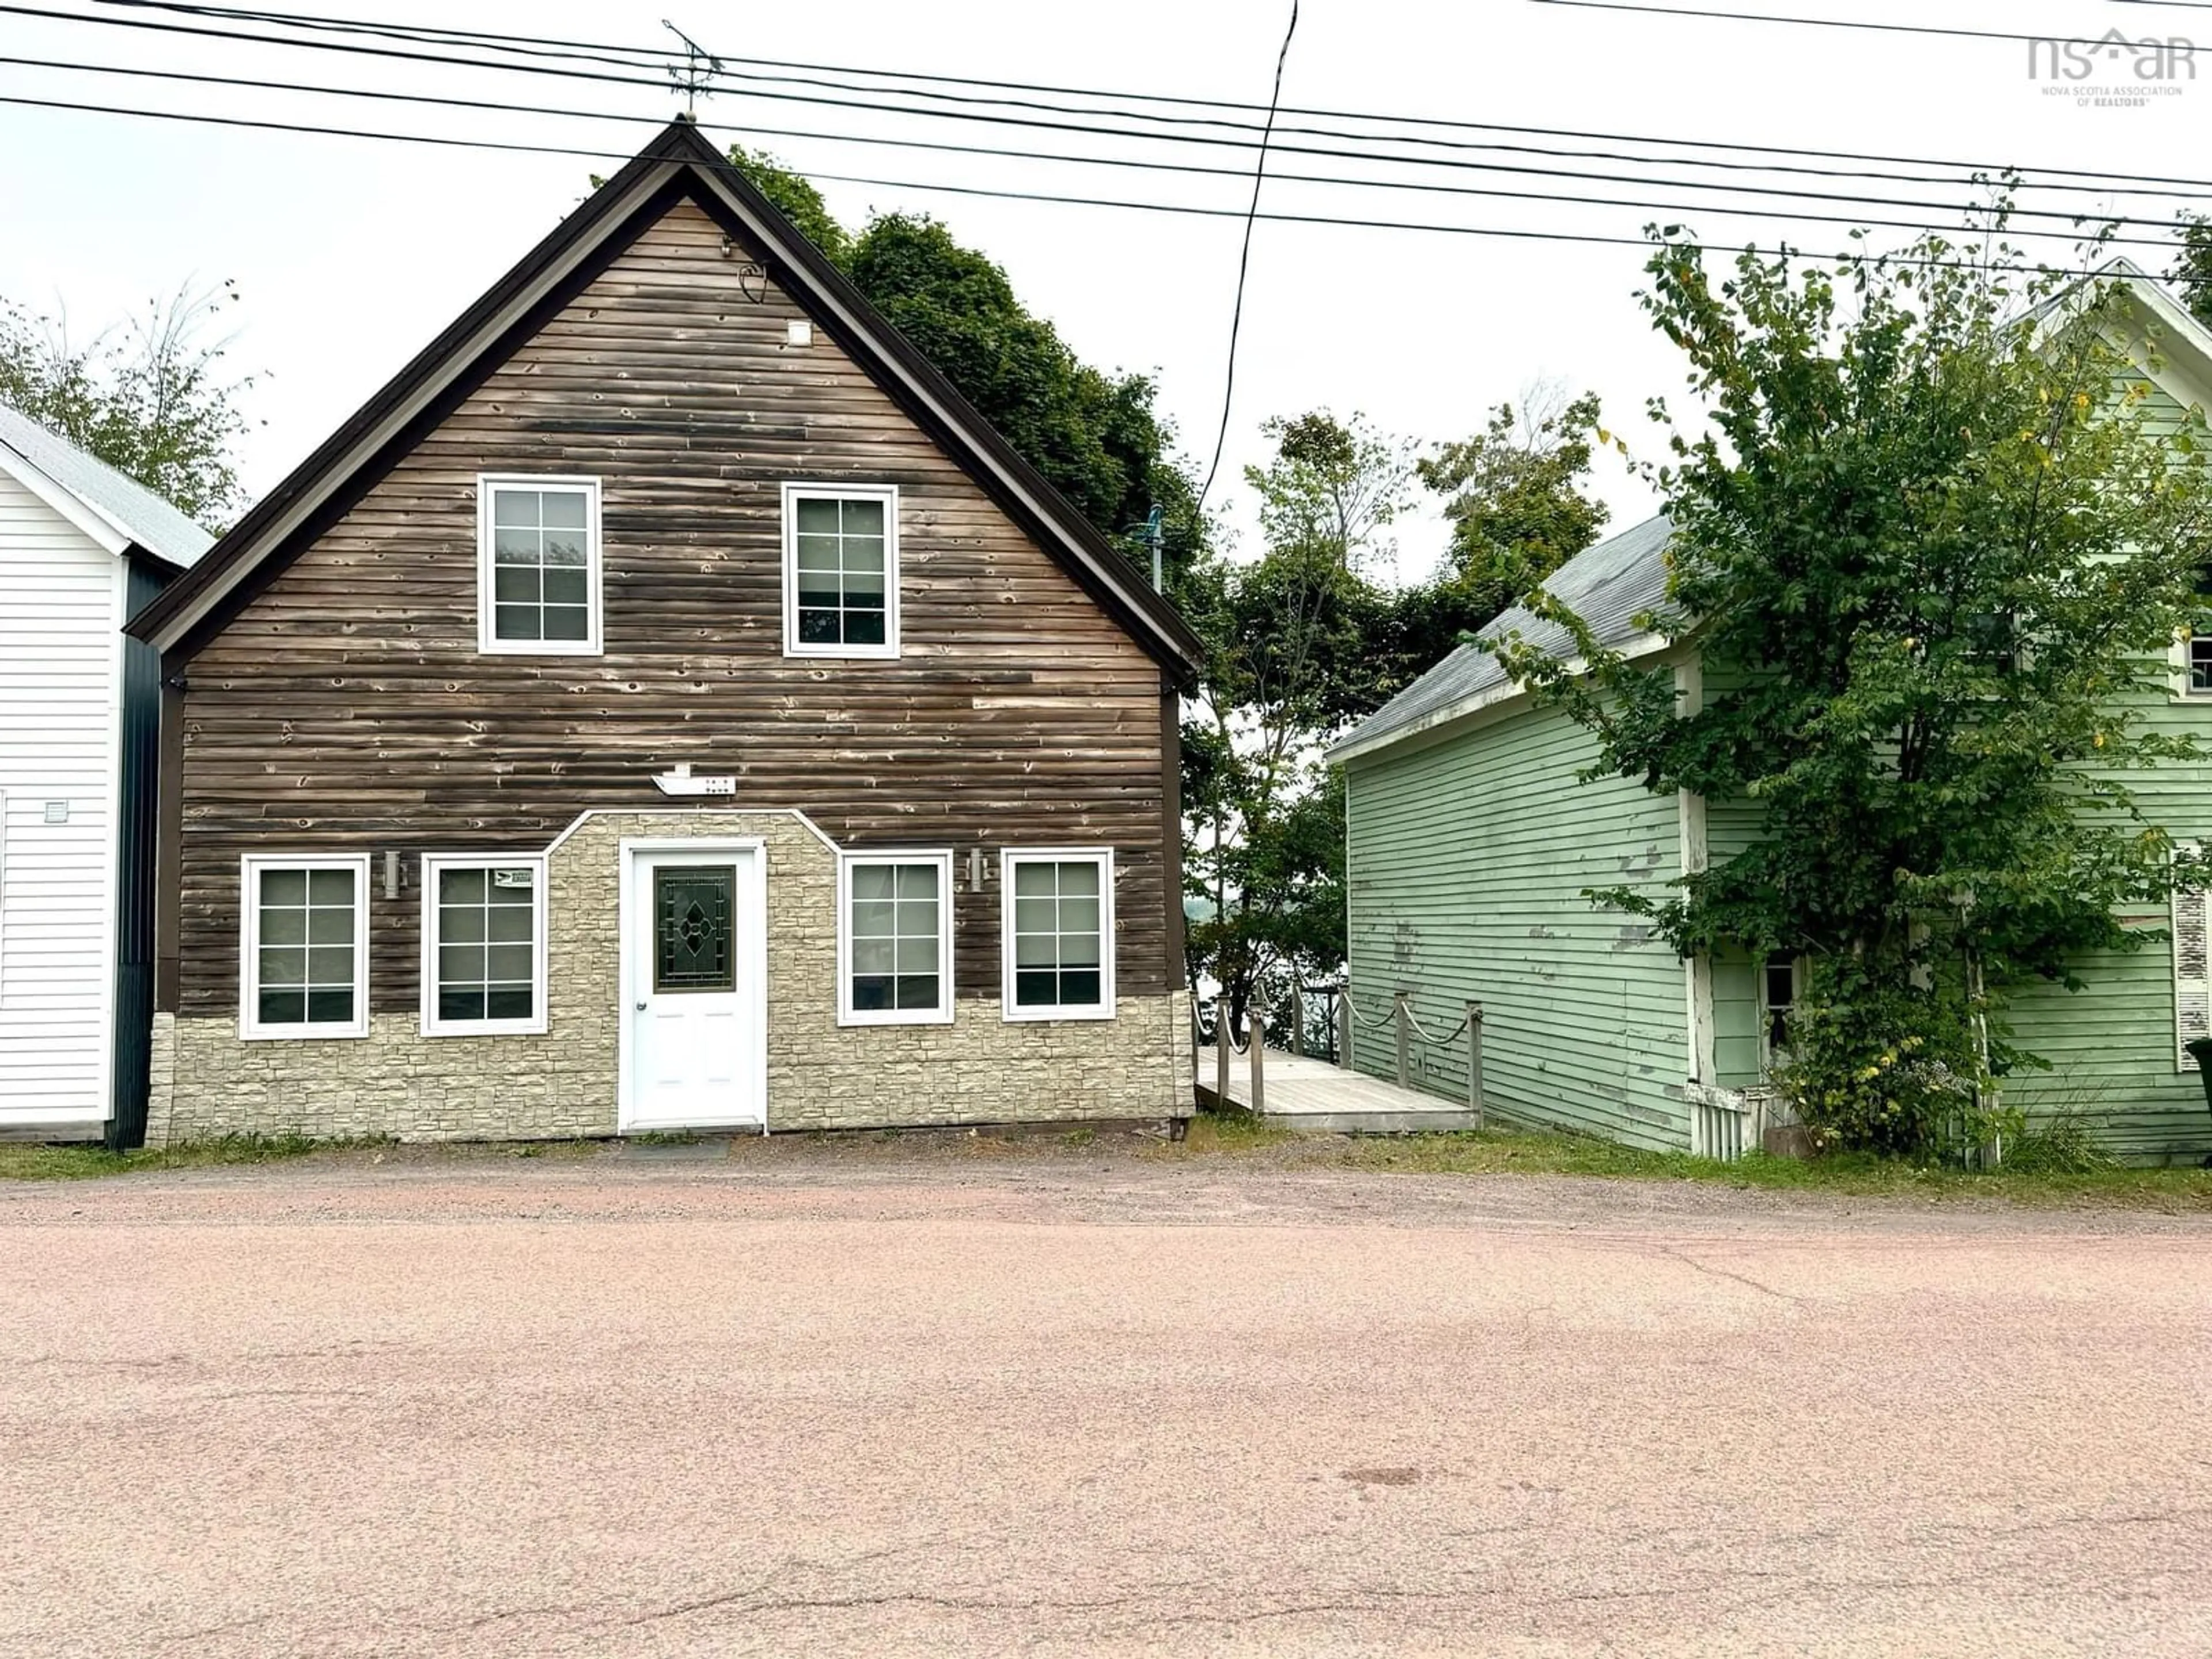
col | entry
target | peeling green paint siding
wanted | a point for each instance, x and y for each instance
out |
(2161, 412)
(1737, 1013)
(1468, 860)
(2111, 1045)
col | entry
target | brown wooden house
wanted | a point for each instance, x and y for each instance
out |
(667, 704)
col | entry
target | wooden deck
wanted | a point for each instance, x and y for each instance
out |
(1315, 1097)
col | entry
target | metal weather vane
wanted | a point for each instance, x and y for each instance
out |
(700, 66)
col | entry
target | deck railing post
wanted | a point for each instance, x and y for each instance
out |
(1398, 1015)
(1298, 1018)
(1221, 1052)
(1255, 1039)
(1474, 1061)
(1344, 1026)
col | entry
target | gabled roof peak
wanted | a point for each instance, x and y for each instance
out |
(133, 515)
(678, 162)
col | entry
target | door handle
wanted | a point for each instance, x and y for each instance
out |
(641, 1007)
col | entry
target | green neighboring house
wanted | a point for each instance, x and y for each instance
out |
(1471, 840)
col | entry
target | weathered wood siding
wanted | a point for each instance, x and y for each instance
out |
(58, 648)
(1469, 861)
(347, 705)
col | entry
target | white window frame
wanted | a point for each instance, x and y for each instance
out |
(2188, 945)
(941, 859)
(1009, 859)
(888, 495)
(433, 1025)
(250, 867)
(488, 642)
(2178, 666)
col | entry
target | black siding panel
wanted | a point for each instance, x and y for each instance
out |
(137, 804)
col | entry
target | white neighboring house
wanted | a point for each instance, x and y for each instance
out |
(82, 548)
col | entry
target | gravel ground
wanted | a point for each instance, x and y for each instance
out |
(941, 1396)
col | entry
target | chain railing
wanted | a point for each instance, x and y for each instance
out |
(1405, 1026)
(1349, 1018)
(1223, 1043)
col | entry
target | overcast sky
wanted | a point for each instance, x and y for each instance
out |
(350, 254)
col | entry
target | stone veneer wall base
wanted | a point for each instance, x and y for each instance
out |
(979, 1069)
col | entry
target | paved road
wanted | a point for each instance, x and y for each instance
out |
(1085, 1403)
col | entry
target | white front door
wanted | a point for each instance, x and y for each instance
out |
(692, 971)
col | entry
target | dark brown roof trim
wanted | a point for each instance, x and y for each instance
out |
(323, 488)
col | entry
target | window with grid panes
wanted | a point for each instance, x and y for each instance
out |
(305, 949)
(896, 920)
(842, 573)
(1060, 934)
(541, 565)
(485, 950)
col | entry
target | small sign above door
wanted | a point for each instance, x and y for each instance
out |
(684, 782)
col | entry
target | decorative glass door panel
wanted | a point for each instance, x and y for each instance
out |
(694, 912)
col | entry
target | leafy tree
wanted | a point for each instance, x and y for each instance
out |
(2192, 266)
(1514, 496)
(1289, 662)
(795, 197)
(1096, 436)
(1932, 561)
(153, 400)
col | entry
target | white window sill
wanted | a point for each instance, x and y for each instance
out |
(483, 1027)
(895, 1016)
(540, 648)
(1031, 1016)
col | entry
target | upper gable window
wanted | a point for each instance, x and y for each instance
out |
(537, 565)
(840, 570)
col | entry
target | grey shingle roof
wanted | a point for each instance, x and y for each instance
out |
(137, 511)
(1608, 585)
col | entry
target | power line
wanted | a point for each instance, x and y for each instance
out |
(1514, 234)
(2041, 180)
(1244, 261)
(1826, 22)
(1768, 194)
(529, 46)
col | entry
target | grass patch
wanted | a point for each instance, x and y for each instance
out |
(2048, 1175)
(33, 1161)
(1230, 1132)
